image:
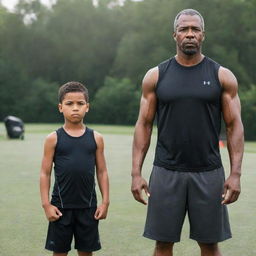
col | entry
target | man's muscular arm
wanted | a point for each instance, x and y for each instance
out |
(142, 134)
(231, 109)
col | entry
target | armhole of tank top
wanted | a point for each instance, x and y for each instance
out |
(93, 138)
(216, 73)
(57, 140)
(162, 67)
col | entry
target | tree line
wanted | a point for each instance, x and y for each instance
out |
(110, 49)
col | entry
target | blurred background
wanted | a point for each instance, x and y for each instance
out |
(109, 45)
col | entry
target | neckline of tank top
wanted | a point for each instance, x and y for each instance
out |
(75, 137)
(189, 67)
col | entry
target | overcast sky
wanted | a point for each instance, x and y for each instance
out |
(11, 3)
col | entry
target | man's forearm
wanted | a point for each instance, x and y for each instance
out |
(141, 144)
(235, 144)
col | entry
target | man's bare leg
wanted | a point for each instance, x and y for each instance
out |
(163, 249)
(209, 249)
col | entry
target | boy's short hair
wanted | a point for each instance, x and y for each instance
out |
(73, 87)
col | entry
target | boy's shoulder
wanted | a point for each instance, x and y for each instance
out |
(98, 137)
(51, 138)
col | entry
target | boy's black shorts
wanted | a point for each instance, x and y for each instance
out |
(79, 223)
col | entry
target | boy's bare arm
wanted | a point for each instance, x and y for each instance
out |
(102, 177)
(52, 213)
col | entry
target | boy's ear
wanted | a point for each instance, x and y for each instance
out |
(88, 107)
(60, 107)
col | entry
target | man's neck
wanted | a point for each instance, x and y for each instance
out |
(189, 60)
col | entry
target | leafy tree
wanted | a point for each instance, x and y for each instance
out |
(248, 102)
(41, 102)
(117, 102)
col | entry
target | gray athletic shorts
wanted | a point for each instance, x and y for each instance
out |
(175, 193)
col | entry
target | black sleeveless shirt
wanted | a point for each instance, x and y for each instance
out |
(74, 167)
(188, 116)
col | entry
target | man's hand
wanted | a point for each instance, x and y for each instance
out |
(52, 212)
(231, 189)
(138, 183)
(101, 212)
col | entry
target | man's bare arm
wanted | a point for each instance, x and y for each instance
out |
(142, 134)
(231, 109)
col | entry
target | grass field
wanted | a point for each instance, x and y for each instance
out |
(23, 224)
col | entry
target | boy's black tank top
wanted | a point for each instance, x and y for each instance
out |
(74, 167)
(188, 116)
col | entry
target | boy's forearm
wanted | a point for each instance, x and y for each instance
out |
(45, 183)
(103, 182)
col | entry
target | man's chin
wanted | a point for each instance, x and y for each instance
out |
(189, 52)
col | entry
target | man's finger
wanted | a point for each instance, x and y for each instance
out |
(224, 191)
(139, 198)
(234, 197)
(146, 190)
(227, 197)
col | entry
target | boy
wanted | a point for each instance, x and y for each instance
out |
(75, 150)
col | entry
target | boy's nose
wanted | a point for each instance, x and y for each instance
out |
(75, 107)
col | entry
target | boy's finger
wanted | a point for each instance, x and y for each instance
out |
(58, 212)
(96, 215)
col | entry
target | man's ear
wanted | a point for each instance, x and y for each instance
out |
(174, 36)
(203, 36)
(60, 107)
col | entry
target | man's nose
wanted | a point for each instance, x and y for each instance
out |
(190, 33)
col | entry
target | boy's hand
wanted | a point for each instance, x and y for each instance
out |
(52, 212)
(101, 212)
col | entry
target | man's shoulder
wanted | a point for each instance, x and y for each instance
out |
(213, 62)
(165, 63)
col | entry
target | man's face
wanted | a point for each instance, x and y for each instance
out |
(189, 34)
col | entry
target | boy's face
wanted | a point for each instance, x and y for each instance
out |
(74, 107)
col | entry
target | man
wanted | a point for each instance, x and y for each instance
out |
(189, 93)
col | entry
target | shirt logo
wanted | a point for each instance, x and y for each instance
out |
(206, 82)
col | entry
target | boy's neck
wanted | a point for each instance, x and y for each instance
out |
(75, 130)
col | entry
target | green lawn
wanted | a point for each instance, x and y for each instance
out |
(23, 224)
